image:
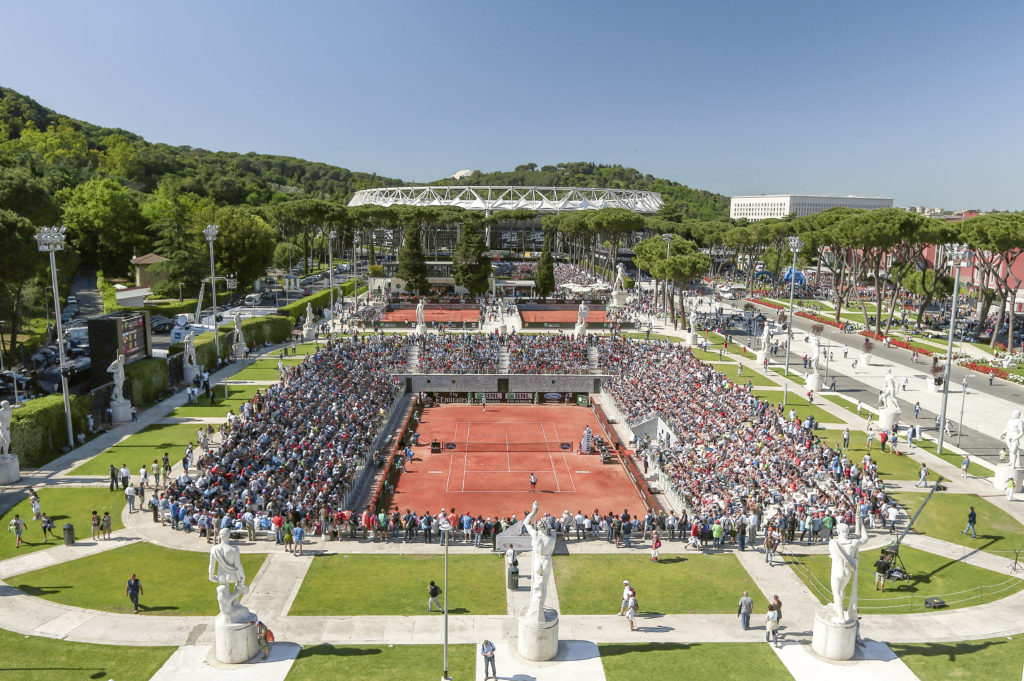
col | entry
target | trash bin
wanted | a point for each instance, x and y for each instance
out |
(513, 578)
(69, 534)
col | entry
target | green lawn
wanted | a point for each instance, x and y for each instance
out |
(142, 448)
(953, 458)
(237, 396)
(592, 584)
(720, 661)
(845, 404)
(475, 585)
(889, 467)
(47, 659)
(946, 516)
(716, 340)
(384, 663)
(754, 377)
(932, 575)
(64, 505)
(794, 375)
(709, 356)
(986, 660)
(173, 582)
(261, 372)
(798, 402)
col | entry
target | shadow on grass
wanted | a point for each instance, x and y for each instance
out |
(100, 674)
(328, 649)
(609, 650)
(42, 590)
(673, 559)
(947, 650)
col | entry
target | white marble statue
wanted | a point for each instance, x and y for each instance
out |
(116, 368)
(844, 549)
(815, 353)
(1012, 435)
(620, 278)
(889, 391)
(190, 349)
(543, 544)
(693, 319)
(309, 314)
(766, 336)
(6, 413)
(583, 313)
(419, 312)
(227, 572)
(239, 339)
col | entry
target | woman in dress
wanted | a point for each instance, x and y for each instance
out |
(655, 545)
(771, 625)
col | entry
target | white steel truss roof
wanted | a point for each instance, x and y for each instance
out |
(491, 199)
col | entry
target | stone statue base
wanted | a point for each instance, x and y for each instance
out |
(863, 361)
(831, 639)
(1004, 471)
(581, 330)
(10, 471)
(538, 641)
(308, 333)
(236, 642)
(762, 356)
(813, 381)
(191, 371)
(121, 411)
(617, 299)
(239, 350)
(503, 329)
(887, 417)
(420, 329)
(691, 339)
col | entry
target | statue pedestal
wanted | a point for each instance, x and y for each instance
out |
(239, 350)
(813, 381)
(833, 640)
(617, 299)
(121, 411)
(236, 642)
(581, 330)
(538, 641)
(762, 355)
(308, 333)
(887, 417)
(863, 361)
(420, 329)
(10, 471)
(1004, 472)
(691, 339)
(191, 371)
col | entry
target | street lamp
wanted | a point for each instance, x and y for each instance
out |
(211, 234)
(51, 240)
(958, 256)
(331, 236)
(447, 538)
(963, 398)
(828, 354)
(795, 245)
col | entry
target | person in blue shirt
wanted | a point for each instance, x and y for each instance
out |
(487, 650)
(972, 518)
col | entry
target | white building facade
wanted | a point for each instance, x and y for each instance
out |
(763, 206)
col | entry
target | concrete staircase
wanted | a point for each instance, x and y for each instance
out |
(592, 360)
(503, 360)
(413, 360)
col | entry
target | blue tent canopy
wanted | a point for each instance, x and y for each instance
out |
(794, 274)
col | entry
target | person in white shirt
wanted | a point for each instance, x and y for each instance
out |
(627, 593)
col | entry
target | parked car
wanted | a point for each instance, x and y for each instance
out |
(160, 324)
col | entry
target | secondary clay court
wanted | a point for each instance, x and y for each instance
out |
(433, 314)
(561, 316)
(486, 459)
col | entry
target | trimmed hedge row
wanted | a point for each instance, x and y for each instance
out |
(38, 429)
(320, 300)
(260, 330)
(170, 309)
(148, 379)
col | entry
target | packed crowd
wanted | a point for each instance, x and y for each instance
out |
(476, 353)
(566, 274)
(548, 354)
(292, 451)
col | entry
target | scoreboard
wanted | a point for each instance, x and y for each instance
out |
(120, 333)
(133, 337)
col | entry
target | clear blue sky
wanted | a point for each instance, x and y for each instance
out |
(920, 101)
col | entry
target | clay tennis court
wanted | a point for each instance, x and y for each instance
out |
(486, 459)
(561, 316)
(441, 315)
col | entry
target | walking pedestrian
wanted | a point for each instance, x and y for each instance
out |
(105, 523)
(627, 591)
(17, 525)
(972, 518)
(433, 591)
(487, 650)
(631, 612)
(133, 590)
(746, 607)
(771, 626)
(655, 545)
(964, 465)
(94, 521)
(917, 409)
(1010, 484)
(922, 480)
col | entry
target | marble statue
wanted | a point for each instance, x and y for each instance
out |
(227, 572)
(1012, 435)
(844, 549)
(620, 278)
(190, 349)
(543, 544)
(693, 319)
(583, 313)
(419, 312)
(815, 353)
(239, 339)
(309, 314)
(766, 336)
(6, 413)
(117, 369)
(889, 391)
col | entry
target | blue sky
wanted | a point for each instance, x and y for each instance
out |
(920, 101)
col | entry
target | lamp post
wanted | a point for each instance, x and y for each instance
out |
(447, 537)
(963, 398)
(828, 354)
(958, 256)
(331, 236)
(795, 245)
(211, 234)
(51, 240)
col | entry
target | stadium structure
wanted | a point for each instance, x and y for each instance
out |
(497, 198)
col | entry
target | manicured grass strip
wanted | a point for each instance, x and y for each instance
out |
(946, 516)
(592, 584)
(845, 404)
(799, 403)
(890, 467)
(237, 396)
(173, 582)
(142, 448)
(475, 585)
(258, 373)
(793, 374)
(47, 659)
(384, 663)
(721, 661)
(985, 660)
(64, 505)
(959, 584)
(748, 375)
(953, 458)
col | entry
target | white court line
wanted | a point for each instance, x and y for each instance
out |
(551, 461)
(448, 482)
(564, 460)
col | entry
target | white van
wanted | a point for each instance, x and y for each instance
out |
(253, 299)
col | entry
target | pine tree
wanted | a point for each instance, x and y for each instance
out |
(412, 266)
(472, 267)
(544, 280)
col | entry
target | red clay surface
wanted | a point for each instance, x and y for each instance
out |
(430, 315)
(493, 477)
(561, 317)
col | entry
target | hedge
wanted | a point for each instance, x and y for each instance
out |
(269, 329)
(319, 301)
(148, 379)
(170, 309)
(39, 430)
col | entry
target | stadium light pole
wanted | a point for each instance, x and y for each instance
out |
(795, 245)
(211, 234)
(963, 398)
(958, 256)
(51, 240)
(447, 537)
(331, 236)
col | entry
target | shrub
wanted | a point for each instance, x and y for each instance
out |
(269, 329)
(39, 431)
(148, 379)
(319, 300)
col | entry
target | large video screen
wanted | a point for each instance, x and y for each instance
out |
(133, 337)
